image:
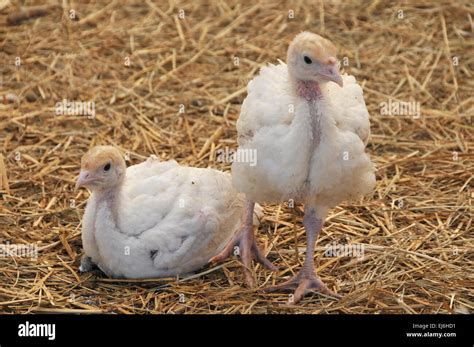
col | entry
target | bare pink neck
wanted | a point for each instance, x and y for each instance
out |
(308, 90)
(107, 194)
(110, 197)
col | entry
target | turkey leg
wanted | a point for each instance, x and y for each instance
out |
(243, 244)
(306, 281)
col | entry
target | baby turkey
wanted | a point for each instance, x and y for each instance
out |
(154, 219)
(308, 126)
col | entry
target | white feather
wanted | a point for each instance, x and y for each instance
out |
(165, 220)
(276, 123)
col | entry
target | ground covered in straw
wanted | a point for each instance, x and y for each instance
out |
(173, 86)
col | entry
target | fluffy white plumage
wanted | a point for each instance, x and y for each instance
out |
(307, 126)
(276, 123)
(163, 219)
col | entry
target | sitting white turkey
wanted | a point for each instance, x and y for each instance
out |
(154, 219)
(309, 126)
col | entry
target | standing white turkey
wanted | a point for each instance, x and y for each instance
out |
(309, 126)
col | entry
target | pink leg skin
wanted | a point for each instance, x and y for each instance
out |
(244, 239)
(306, 281)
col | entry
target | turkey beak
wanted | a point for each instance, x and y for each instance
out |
(334, 75)
(85, 178)
(330, 72)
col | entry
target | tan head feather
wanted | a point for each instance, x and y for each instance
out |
(101, 155)
(318, 47)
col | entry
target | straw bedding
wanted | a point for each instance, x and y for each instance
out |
(168, 78)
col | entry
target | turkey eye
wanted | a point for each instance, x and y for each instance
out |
(107, 167)
(307, 59)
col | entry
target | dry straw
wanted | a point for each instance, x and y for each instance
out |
(143, 62)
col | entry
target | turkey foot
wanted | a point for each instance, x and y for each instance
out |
(87, 264)
(243, 244)
(306, 281)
